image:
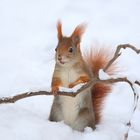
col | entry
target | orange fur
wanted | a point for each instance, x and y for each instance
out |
(82, 79)
(78, 32)
(59, 30)
(56, 83)
(97, 59)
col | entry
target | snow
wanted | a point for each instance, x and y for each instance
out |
(27, 41)
(74, 89)
(103, 75)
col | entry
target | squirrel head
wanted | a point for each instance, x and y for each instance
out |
(68, 48)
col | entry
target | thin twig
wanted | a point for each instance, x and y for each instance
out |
(137, 82)
(136, 96)
(118, 53)
(13, 99)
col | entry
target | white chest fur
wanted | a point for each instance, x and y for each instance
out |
(70, 105)
(68, 76)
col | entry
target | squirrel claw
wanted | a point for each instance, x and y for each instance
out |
(55, 91)
(71, 85)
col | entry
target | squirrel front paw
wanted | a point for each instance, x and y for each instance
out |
(55, 90)
(72, 85)
(82, 79)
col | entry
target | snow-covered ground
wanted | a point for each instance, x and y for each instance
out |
(27, 42)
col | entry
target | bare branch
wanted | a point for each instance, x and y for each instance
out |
(137, 82)
(126, 134)
(13, 99)
(118, 53)
(136, 98)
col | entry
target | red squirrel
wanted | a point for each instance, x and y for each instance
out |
(72, 68)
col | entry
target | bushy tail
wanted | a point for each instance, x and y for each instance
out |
(97, 59)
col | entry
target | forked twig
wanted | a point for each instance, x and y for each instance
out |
(13, 99)
(136, 96)
(118, 53)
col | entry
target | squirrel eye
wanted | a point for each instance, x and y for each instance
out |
(70, 50)
(55, 49)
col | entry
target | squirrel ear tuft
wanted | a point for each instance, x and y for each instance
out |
(77, 34)
(59, 30)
